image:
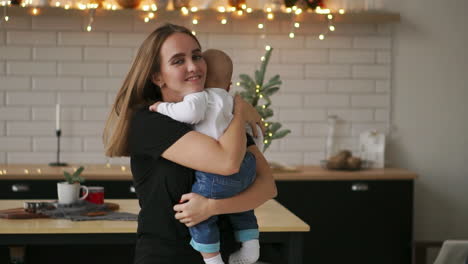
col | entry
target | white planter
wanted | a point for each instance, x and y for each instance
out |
(70, 193)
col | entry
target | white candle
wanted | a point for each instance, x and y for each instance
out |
(57, 117)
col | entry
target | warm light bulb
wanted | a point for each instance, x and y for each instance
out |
(257, 86)
(264, 106)
(288, 10)
(195, 21)
(261, 96)
(330, 16)
(265, 141)
(321, 37)
(67, 6)
(332, 28)
(240, 12)
(35, 11)
(184, 10)
(26, 171)
(123, 168)
(194, 9)
(267, 47)
(7, 18)
(114, 7)
(39, 171)
(243, 6)
(270, 16)
(266, 124)
(223, 21)
(298, 11)
(194, 33)
(146, 19)
(146, 8)
(297, 25)
(294, 8)
(270, 134)
(89, 28)
(249, 10)
(257, 90)
(291, 35)
(260, 26)
(341, 11)
(57, 4)
(151, 15)
(154, 7)
(221, 9)
(262, 58)
(238, 83)
(268, 9)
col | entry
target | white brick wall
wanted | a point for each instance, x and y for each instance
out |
(46, 60)
(57, 54)
(28, 68)
(56, 83)
(15, 53)
(15, 83)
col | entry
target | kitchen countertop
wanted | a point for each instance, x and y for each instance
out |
(123, 173)
(272, 217)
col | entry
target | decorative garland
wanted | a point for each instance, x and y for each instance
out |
(236, 7)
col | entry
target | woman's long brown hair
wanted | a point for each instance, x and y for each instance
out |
(137, 90)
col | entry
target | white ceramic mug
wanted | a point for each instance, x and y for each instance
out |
(70, 193)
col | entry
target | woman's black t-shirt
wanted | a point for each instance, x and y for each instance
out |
(159, 185)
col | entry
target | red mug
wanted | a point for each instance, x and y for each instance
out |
(95, 194)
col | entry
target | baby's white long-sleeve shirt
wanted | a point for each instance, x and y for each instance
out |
(210, 111)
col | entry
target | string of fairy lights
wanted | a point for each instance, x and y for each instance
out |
(227, 13)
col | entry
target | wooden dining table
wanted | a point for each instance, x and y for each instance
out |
(276, 224)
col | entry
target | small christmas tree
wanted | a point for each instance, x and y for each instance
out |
(258, 94)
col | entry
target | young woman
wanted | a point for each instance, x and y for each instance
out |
(164, 152)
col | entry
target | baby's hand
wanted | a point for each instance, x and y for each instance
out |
(154, 107)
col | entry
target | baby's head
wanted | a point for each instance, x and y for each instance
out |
(219, 71)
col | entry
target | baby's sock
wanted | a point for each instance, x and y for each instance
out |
(247, 254)
(214, 260)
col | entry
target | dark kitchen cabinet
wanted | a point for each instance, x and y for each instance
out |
(353, 222)
(47, 189)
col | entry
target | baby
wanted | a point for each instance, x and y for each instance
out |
(210, 111)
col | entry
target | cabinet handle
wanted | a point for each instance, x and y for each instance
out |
(132, 189)
(20, 188)
(360, 187)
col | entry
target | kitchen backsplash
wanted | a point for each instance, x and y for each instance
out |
(46, 60)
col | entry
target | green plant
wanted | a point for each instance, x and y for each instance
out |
(257, 92)
(75, 177)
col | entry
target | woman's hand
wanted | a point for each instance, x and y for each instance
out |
(193, 209)
(250, 114)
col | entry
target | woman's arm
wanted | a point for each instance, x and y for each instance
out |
(200, 152)
(198, 208)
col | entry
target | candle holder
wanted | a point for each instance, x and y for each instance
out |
(58, 133)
